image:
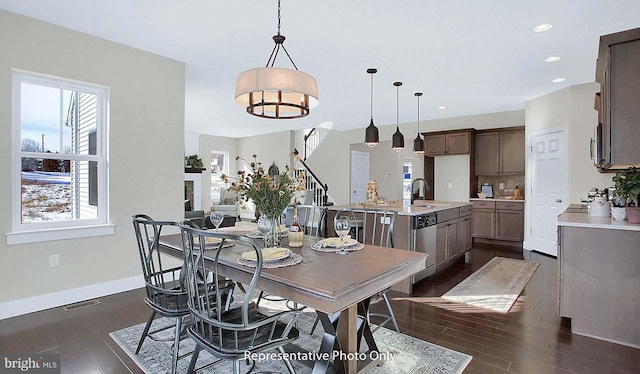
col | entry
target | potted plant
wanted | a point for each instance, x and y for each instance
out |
(627, 185)
(194, 161)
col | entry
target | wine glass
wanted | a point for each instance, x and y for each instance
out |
(264, 226)
(342, 226)
(216, 219)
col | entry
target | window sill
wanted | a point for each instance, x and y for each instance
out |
(36, 236)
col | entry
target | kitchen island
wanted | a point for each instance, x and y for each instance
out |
(441, 229)
(599, 276)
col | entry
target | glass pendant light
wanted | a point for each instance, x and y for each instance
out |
(418, 142)
(397, 141)
(371, 136)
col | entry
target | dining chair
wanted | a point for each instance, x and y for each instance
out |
(375, 227)
(230, 334)
(312, 220)
(164, 284)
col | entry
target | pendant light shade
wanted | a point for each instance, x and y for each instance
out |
(371, 135)
(397, 141)
(277, 93)
(418, 142)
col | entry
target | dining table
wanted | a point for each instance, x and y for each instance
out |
(328, 282)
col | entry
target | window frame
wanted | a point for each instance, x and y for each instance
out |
(28, 232)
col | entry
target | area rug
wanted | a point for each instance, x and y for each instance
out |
(495, 286)
(405, 354)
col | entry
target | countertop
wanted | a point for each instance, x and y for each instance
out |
(430, 206)
(583, 219)
(497, 199)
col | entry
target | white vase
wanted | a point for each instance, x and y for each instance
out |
(618, 213)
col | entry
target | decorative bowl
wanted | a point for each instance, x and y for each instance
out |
(482, 195)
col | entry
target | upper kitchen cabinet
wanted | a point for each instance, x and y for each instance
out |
(500, 152)
(448, 142)
(618, 72)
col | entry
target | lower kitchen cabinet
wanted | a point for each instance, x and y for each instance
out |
(499, 220)
(453, 237)
(510, 225)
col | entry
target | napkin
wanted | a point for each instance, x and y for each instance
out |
(335, 242)
(207, 240)
(267, 253)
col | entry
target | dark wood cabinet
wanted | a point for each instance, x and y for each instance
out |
(500, 152)
(618, 110)
(499, 220)
(449, 143)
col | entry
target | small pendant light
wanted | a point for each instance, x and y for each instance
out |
(418, 142)
(397, 141)
(371, 136)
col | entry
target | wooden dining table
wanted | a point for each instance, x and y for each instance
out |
(325, 281)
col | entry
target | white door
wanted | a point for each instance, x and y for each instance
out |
(359, 176)
(548, 188)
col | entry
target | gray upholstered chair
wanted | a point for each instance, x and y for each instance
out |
(228, 335)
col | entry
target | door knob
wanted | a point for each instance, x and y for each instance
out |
(558, 200)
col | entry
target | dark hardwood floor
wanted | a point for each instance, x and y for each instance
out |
(531, 338)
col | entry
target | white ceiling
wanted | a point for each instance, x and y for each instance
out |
(472, 56)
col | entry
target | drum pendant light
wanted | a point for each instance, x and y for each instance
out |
(371, 136)
(277, 93)
(418, 142)
(397, 140)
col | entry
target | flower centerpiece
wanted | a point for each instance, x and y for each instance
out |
(269, 193)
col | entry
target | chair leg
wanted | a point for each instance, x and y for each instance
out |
(315, 324)
(194, 358)
(286, 361)
(176, 346)
(392, 315)
(236, 367)
(259, 298)
(146, 330)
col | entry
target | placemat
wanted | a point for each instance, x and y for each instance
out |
(294, 259)
(318, 247)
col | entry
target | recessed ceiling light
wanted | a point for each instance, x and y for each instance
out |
(442, 107)
(543, 27)
(558, 80)
(552, 59)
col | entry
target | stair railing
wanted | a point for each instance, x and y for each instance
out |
(313, 183)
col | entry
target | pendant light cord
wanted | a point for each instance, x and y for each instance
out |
(371, 96)
(418, 115)
(279, 39)
(397, 106)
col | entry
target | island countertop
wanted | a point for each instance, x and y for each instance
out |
(583, 219)
(419, 207)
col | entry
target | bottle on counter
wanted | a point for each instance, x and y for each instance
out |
(516, 193)
(295, 231)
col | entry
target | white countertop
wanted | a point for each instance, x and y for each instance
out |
(430, 206)
(588, 221)
(497, 199)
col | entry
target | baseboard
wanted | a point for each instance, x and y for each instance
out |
(74, 295)
(503, 243)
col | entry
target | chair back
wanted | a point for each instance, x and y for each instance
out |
(163, 283)
(312, 219)
(371, 226)
(226, 333)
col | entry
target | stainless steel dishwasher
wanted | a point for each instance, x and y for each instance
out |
(423, 237)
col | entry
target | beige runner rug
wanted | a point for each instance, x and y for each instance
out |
(494, 286)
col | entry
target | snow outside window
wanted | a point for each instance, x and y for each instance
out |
(59, 148)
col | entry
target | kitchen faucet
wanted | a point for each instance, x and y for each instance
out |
(425, 188)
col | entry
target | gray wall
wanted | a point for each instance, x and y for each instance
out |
(146, 153)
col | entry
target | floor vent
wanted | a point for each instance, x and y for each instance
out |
(81, 304)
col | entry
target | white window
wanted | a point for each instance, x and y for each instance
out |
(219, 166)
(60, 159)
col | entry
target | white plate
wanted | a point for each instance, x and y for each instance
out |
(284, 255)
(349, 243)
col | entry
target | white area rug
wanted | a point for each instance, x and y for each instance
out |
(410, 355)
(494, 286)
